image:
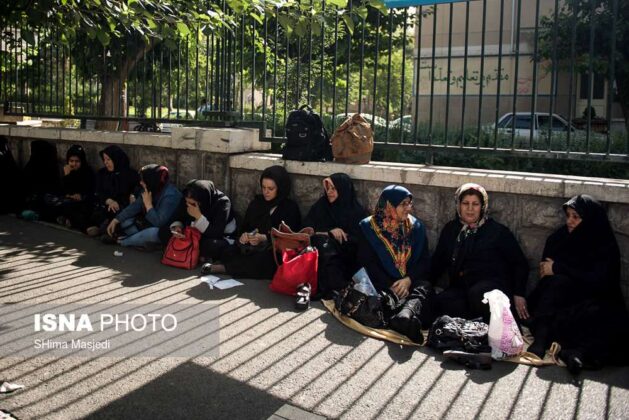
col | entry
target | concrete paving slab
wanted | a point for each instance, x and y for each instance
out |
(269, 355)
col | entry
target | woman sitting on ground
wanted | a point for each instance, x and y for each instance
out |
(578, 302)
(393, 247)
(335, 218)
(115, 184)
(252, 256)
(138, 224)
(210, 212)
(42, 179)
(479, 255)
(78, 190)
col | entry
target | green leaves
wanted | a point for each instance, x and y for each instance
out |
(183, 29)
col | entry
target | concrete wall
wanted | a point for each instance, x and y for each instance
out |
(530, 204)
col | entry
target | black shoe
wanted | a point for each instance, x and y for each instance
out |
(470, 360)
(206, 269)
(302, 301)
(573, 360)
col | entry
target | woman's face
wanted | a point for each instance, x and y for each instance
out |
(572, 219)
(330, 190)
(109, 164)
(269, 189)
(404, 209)
(470, 208)
(74, 163)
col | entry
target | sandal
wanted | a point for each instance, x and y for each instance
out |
(470, 360)
(303, 297)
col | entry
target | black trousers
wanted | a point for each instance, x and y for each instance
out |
(465, 302)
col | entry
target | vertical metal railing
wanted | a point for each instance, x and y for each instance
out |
(460, 86)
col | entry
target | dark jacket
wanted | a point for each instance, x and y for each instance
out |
(118, 184)
(492, 254)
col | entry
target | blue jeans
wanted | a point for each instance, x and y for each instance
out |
(136, 237)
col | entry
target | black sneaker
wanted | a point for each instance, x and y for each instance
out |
(109, 240)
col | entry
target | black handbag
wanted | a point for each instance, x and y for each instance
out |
(448, 333)
(365, 309)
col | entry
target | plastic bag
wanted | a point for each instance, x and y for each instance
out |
(363, 284)
(505, 338)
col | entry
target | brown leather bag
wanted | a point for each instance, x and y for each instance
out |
(284, 238)
(352, 141)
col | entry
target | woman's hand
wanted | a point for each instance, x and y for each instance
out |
(112, 205)
(147, 199)
(401, 288)
(111, 227)
(193, 210)
(66, 169)
(339, 235)
(244, 238)
(520, 307)
(546, 268)
(257, 239)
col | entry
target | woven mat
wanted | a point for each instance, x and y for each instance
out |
(525, 358)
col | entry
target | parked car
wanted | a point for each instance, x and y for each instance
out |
(540, 123)
(405, 122)
(175, 114)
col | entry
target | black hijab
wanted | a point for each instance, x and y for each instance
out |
(280, 176)
(205, 193)
(81, 180)
(41, 173)
(155, 177)
(117, 156)
(11, 176)
(119, 183)
(590, 244)
(345, 212)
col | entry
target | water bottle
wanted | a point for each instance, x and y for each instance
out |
(363, 284)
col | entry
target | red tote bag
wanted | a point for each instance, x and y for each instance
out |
(297, 268)
(183, 252)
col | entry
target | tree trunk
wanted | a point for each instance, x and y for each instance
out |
(113, 99)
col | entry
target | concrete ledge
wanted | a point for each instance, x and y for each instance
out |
(216, 140)
(520, 183)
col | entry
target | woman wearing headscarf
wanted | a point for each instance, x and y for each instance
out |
(394, 248)
(252, 256)
(41, 177)
(335, 218)
(578, 301)
(115, 184)
(479, 255)
(208, 210)
(75, 201)
(153, 208)
(12, 192)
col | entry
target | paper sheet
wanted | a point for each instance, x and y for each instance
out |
(214, 281)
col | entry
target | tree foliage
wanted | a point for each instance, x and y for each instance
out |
(566, 36)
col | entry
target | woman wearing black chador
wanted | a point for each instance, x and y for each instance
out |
(578, 302)
(115, 183)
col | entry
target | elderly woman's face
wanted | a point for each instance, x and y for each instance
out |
(404, 209)
(470, 208)
(572, 219)
(330, 190)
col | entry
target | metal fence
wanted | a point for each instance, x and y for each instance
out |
(495, 76)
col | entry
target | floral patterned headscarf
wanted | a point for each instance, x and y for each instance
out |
(396, 243)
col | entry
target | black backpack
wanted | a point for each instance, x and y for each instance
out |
(306, 138)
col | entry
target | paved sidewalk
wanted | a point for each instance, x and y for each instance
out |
(273, 361)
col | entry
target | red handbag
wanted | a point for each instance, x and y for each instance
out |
(183, 252)
(297, 268)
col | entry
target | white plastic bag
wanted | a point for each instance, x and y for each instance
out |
(504, 335)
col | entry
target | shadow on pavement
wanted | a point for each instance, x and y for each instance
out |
(192, 391)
